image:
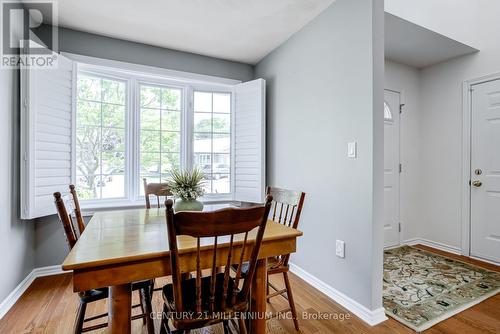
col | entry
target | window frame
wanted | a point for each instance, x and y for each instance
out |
(128, 157)
(206, 89)
(133, 80)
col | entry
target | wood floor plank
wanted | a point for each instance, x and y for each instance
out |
(49, 307)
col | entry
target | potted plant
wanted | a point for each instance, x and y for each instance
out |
(187, 186)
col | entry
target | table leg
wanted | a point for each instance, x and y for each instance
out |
(258, 323)
(120, 308)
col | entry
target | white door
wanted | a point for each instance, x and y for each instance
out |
(391, 169)
(485, 171)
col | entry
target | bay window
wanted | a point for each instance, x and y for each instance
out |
(106, 128)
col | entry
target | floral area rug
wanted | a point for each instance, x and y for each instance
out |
(422, 288)
(272, 327)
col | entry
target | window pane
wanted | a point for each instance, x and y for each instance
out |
(212, 139)
(150, 119)
(202, 122)
(113, 162)
(170, 120)
(202, 143)
(222, 103)
(88, 113)
(88, 166)
(113, 115)
(113, 91)
(87, 186)
(207, 185)
(169, 161)
(89, 87)
(150, 96)
(171, 99)
(221, 163)
(150, 163)
(112, 186)
(150, 141)
(221, 143)
(160, 149)
(100, 137)
(202, 102)
(204, 162)
(222, 123)
(113, 139)
(221, 184)
(170, 141)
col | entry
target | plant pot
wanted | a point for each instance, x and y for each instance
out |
(187, 205)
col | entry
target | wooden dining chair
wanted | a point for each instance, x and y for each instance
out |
(155, 189)
(68, 210)
(286, 209)
(202, 301)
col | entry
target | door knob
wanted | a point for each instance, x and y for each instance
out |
(477, 184)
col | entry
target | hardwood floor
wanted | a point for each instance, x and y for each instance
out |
(49, 306)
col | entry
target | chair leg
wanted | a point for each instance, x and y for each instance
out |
(267, 290)
(291, 301)
(242, 326)
(148, 309)
(164, 328)
(225, 326)
(141, 303)
(80, 317)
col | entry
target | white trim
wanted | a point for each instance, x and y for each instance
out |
(372, 318)
(146, 70)
(18, 291)
(466, 157)
(433, 244)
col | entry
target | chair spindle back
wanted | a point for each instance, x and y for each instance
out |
(287, 206)
(156, 189)
(68, 210)
(233, 225)
(286, 209)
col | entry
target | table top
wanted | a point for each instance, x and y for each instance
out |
(113, 237)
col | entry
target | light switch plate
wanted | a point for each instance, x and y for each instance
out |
(340, 248)
(352, 149)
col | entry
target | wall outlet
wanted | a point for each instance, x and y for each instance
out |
(340, 248)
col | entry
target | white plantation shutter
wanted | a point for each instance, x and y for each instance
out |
(250, 141)
(46, 136)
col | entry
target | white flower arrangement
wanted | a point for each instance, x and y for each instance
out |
(187, 185)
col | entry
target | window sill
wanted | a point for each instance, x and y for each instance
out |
(88, 209)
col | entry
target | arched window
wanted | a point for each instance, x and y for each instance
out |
(387, 112)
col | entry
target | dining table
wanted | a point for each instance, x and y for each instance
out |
(123, 246)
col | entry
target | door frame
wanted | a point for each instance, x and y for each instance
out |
(402, 103)
(466, 156)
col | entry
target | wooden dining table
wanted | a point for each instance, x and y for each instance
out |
(120, 247)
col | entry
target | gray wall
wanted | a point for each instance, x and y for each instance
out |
(16, 236)
(88, 44)
(325, 89)
(50, 246)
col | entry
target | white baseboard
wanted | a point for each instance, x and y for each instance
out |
(18, 291)
(433, 244)
(372, 318)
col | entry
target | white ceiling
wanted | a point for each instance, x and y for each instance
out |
(413, 45)
(239, 30)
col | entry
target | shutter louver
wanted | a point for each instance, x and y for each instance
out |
(250, 141)
(47, 136)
